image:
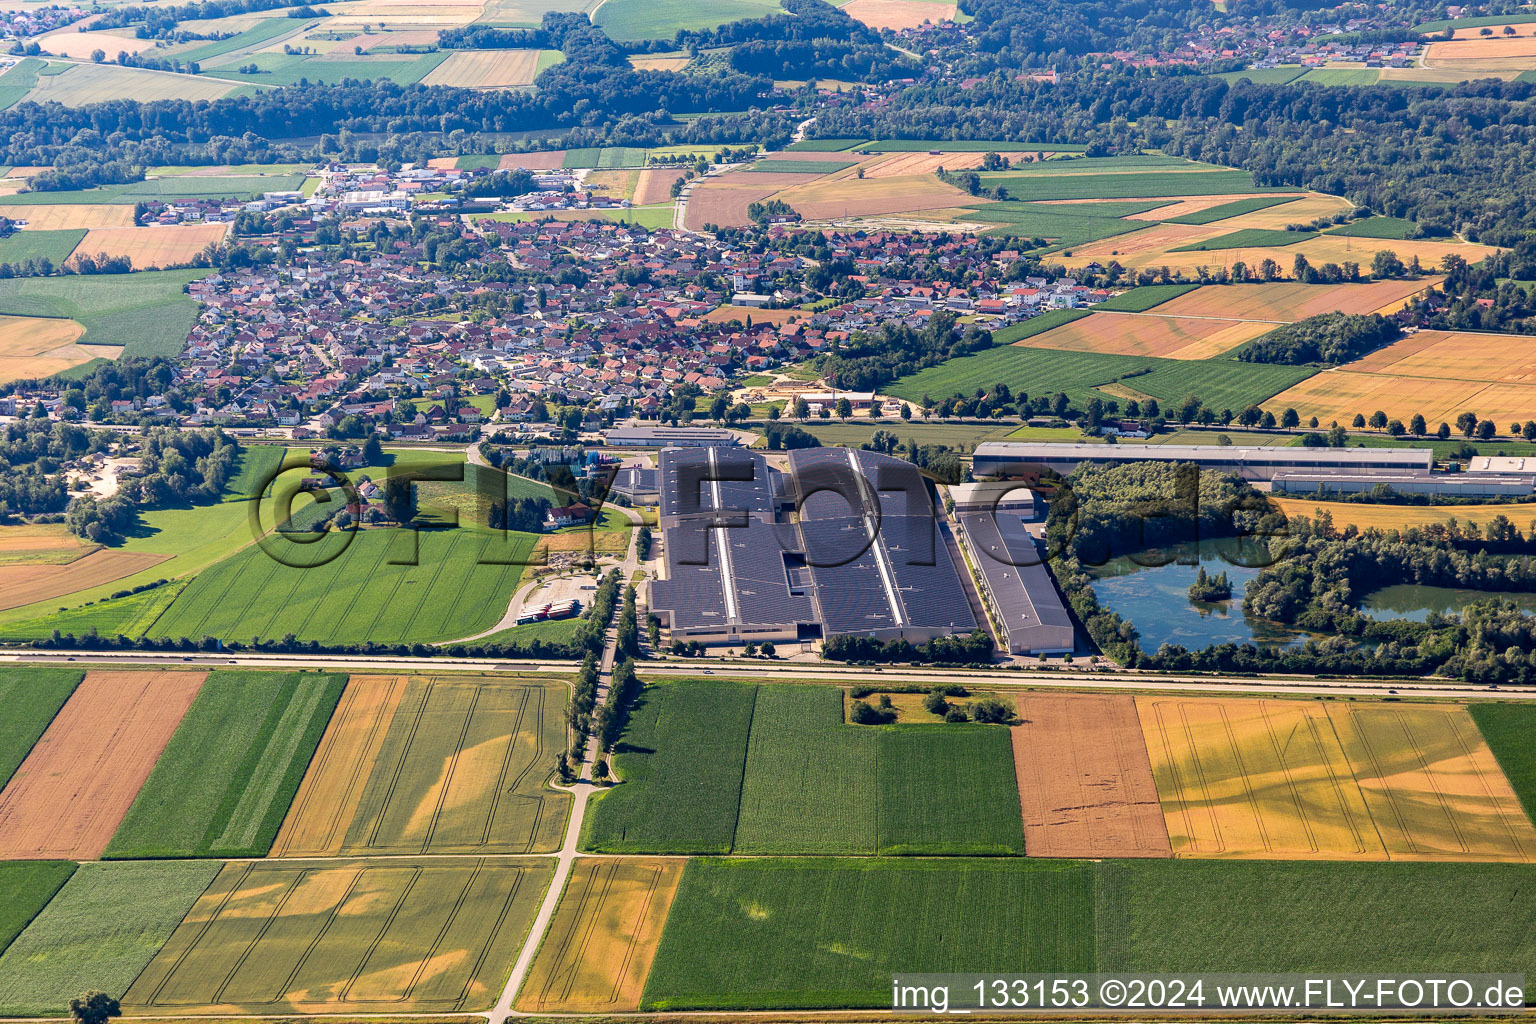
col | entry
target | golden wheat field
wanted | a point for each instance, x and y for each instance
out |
(163, 245)
(1400, 517)
(486, 69)
(1135, 334)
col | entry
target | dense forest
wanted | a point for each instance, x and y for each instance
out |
(1331, 338)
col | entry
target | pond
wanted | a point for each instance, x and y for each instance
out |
(1414, 602)
(1155, 598)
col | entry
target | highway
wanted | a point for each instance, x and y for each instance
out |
(800, 670)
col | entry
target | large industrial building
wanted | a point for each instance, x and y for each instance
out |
(1011, 566)
(1022, 458)
(846, 543)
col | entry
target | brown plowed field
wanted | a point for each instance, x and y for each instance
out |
(1085, 783)
(655, 185)
(726, 205)
(1288, 301)
(898, 14)
(551, 160)
(72, 791)
(485, 69)
(603, 937)
(1168, 337)
(23, 584)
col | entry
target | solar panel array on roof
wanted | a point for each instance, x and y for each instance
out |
(693, 594)
(691, 476)
(867, 521)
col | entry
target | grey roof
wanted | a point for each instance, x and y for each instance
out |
(1047, 451)
(1023, 593)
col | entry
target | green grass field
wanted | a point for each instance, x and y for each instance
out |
(1376, 227)
(351, 936)
(819, 933)
(1431, 27)
(1232, 209)
(330, 69)
(31, 697)
(146, 312)
(627, 20)
(1341, 76)
(99, 932)
(360, 595)
(1510, 730)
(681, 759)
(814, 784)
(1062, 225)
(1247, 238)
(1139, 300)
(1101, 164)
(823, 145)
(964, 146)
(255, 471)
(1266, 76)
(1031, 188)
(1219, 383)
(717, 766)
(265, 727)
(26, 886)
(1036, 371)
(1358, 918)
(30, 245)
(129, 616)
(831, 933)
(771, 166)
(19, 80)
(263, 31)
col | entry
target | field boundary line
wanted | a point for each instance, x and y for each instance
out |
(746, 753)
(1459, 731)
(1285, 770)
(201, 931)
(388, 795)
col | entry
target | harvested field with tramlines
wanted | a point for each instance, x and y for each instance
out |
(31, 696)
(1359, 782)
(899, 14)
(1400, 517)
(165, 245)
(602, 939)
(1289, 301)
(69, 795)
(715, 202)
(1137, 334)
(1085, 782)
(1437, 374)
(415, 766)
(849, 196)
(485, 69)
(72, 216)
(33, 347)
(1133, 251)
(25, 583)
(381, 936)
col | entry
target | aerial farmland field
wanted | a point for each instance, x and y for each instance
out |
(266, 726)
(1364, 783)
(1084, 778)
(346, 936)
(460, 587)
(32, 696)
(99, 932)
(418, 766)
(825, 933)
(26, 886)
(146, 314)
(1167, 337)
(683, 738)
(602, 940)
(60, 804)
(1507, 730)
